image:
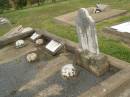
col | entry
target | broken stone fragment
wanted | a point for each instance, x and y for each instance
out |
(35, 36)
(69, 71)
(27, 29)
(39, 42)
(19, 43)
(31, 57)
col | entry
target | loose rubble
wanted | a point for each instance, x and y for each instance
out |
(69, 71)
(39, 42)
(19, 43)
(31, 57)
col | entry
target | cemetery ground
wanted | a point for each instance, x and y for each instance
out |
(19, 78)
(42, 18)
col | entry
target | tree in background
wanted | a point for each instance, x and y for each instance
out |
(29, 3)
(4, 5)
(18, 4)
(21, 4)
(13, 3)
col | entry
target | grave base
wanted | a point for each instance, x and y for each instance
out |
(97, 64)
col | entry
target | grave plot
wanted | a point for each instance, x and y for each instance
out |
(69, 18)
(43, 78)
(121, 31)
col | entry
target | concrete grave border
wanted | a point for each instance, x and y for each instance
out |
(5, 40)
(107, 87)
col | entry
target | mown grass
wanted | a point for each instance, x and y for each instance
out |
(42, 18)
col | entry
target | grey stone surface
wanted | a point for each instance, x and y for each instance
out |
(22, 79)
(85, 26)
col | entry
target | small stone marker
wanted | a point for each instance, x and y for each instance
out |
(53, 46)
(86, 31)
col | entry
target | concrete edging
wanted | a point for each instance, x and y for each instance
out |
(106, 87)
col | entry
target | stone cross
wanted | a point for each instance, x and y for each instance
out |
(85, 26)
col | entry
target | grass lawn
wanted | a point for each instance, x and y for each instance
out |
(42, 17)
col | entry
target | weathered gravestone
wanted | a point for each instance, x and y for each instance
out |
(89, 56)
(86, 31)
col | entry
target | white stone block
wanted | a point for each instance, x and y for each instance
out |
(123, 27)
(35, 36)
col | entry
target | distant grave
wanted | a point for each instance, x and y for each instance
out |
(107, 13)
(4, 21)
(121, 31)
(5, 25)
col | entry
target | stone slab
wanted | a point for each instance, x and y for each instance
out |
(69, 18)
